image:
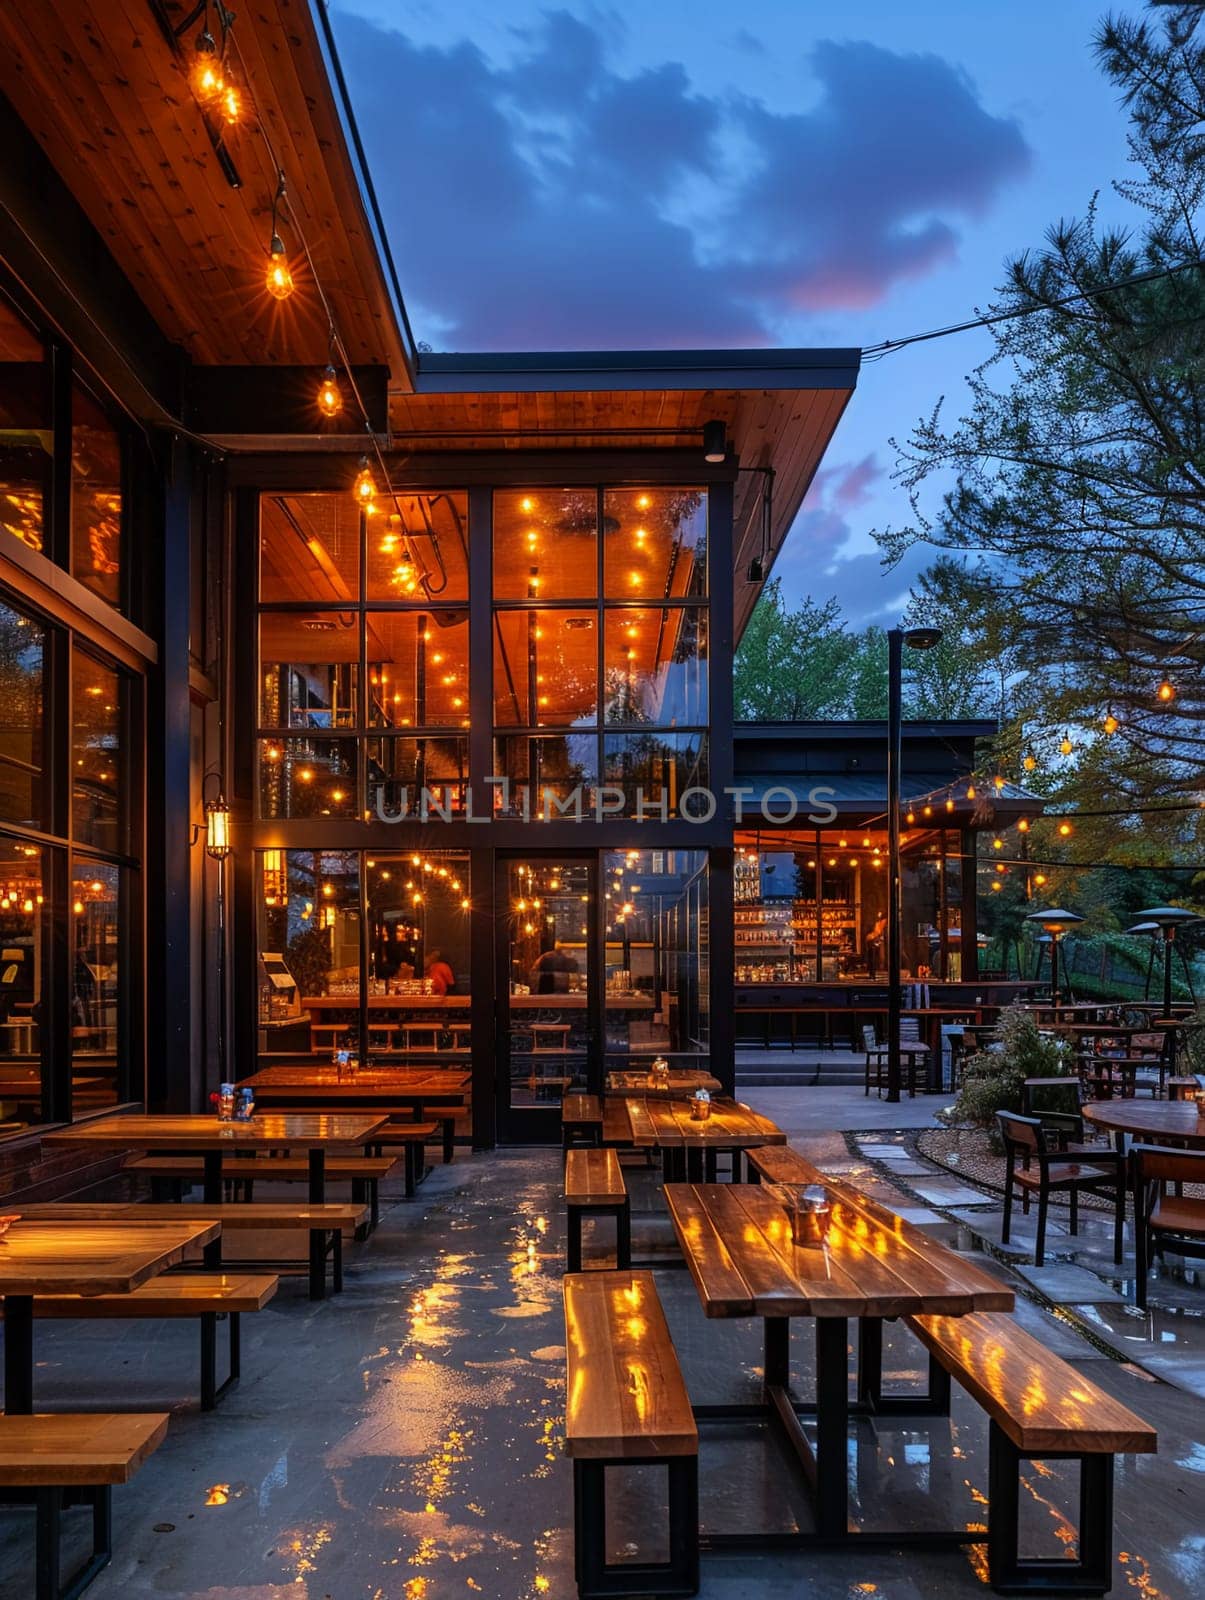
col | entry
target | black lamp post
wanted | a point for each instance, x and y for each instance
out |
(1167, 918)
(915, 639)
(1056, 923)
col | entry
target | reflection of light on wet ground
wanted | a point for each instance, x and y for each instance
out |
(1064, 1531)
(301, 1548)
(1138, 1576)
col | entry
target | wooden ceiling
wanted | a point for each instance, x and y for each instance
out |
(102, 90)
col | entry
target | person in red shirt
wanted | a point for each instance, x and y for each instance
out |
(443, 979)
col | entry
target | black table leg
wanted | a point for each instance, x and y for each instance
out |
(832, 1426)
(317, 1241)
(213, 1177)
(18, 1354)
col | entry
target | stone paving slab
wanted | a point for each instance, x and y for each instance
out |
(1065, 1284)
(939, 1193)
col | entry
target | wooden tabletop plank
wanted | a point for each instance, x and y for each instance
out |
(616, 1124)
(786, 1280)
(266, 1130)
(642, 1122)
(93, 1258)
(721, 1288)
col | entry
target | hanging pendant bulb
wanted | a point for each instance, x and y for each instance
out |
(998, 782)
(279, 280)
(365, 488)
(1166, 691)
(330, 396)
(205, 74)
(1065, 745)
(1111, 723)
(970, 791)
(232, 104)
(1029, 761)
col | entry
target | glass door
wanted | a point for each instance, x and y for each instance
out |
(548, 1040)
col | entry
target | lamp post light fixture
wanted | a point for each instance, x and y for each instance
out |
(915, 639)
(216, 833)
(1055, 922)
(1168, 919)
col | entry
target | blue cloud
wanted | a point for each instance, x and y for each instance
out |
(556, 203)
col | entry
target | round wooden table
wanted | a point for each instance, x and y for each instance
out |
(1150, 1122)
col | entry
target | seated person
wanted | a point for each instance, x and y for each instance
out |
(443, 979)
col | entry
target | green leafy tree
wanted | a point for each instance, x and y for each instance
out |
(1077, 509)
(792, 665)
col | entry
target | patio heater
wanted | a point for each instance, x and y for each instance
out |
(1168, 919)
(915, 639)
(1056, 923)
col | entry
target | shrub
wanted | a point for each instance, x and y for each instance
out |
(993, 1077)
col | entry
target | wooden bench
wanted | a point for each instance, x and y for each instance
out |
(581, 1120)
(1040, 1409)
(327, 1223)
(207, 1295)
(778, 1163)
(626, 1402)
(364, 1173)
(594, 1187)
(89, 1452)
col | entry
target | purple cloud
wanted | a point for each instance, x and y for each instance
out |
(545, 203)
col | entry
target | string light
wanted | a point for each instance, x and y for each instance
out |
(330, 396)
(365, 487)
(1111, 723)
(1029, 761)
(1065, 745)
(279, 279)
(1064, 829)
(205, 75)
(1166, 691)
(1039, 878)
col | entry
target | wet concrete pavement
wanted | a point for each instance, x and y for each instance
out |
(403, 1441)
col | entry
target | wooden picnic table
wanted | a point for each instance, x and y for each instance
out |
(413, 1087)
(314, 1132)
(38, 1258)
(736, 1241)
(688, 1148)
(1172, 1122)
(681, 1082)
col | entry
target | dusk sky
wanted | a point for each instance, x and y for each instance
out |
(784, 172)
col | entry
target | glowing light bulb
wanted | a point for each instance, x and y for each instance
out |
(1064, 828)
(279, 281)
(910, 818)
(970, 791)
(1166, 691)
(1111, 723)
(365, 487)
(643, 502)
(205, 74)
(998, 782)
(1029, 762)
(330, 396)
(997, 844)
(232, 105)
(1039, 878)
(306, 775)
(1065, 745)
(527, 503)
(1023, 825)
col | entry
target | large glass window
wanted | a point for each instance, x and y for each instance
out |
(96, 498)
(26, 437)
(330, 660)
(23, 917)
(635, 658)
(97, 892)
(96, 753)
(22, 665)
(655, 912)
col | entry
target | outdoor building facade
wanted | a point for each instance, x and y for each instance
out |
(457, 655)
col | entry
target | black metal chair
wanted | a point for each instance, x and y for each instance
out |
(1163, 1221)
(1055, 1102)
(1103, 1173)
(914, 1053)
